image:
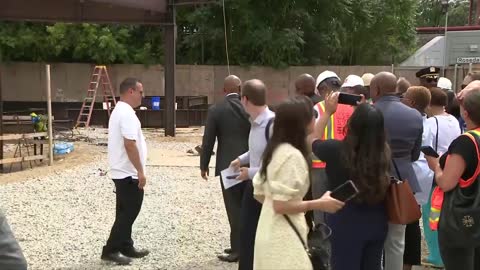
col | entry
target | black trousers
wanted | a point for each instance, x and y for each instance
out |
(460, 258)
(232, 198)
(413, 244)
(129, 202)
(251, 209)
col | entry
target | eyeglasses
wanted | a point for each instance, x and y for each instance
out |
(430, 80)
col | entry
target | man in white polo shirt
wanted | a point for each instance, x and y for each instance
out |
(127, 155)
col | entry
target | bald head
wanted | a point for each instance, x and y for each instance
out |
(471, 106)
(471, 86)
(402, 85)
(255, 91)
(384, 83)
(305, 85)
(232, 84)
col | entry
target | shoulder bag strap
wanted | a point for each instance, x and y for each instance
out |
(296, 231)
(267, 128)
(396, 170)
(436, 135)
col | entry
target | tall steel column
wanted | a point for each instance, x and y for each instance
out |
(1, 121)
(170, 64)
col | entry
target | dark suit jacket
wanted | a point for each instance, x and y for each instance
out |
(229, 124)
(404, 128)
(11, 256)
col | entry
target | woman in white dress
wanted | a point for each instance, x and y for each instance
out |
(281, 185)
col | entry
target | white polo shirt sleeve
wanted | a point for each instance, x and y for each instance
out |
(129, 127)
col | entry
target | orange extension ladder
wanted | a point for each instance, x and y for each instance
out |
(99, 79)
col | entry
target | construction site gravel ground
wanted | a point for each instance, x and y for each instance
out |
(61, 215)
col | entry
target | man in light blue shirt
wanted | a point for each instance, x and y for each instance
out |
(254, 101)
(257, 143)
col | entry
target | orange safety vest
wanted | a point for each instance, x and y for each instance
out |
(438, 194)
(335, 128)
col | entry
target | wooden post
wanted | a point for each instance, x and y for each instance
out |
(477, 14)
(455, 83)
(470, 12)
(49, 108)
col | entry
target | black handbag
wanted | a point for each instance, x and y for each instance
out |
(318, 247)
(459, 224)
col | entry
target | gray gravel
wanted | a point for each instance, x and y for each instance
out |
(63, 220)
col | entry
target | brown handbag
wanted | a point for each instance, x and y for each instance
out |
(402, 207)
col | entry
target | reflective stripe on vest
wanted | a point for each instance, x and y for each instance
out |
(434, 218)
(435, 208)
(316, 163)
(329, 130)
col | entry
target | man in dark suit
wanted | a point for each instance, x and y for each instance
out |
(11, 256)
(228, 123)
(305, 86)
(404, 128)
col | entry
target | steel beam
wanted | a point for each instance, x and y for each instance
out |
(1, 120)
(78, 11)
(170, 66)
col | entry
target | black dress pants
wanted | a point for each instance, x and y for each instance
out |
(232, 198)
(413, 244)
(251, 209)
(129, 202)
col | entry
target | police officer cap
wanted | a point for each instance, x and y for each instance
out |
(429, 73)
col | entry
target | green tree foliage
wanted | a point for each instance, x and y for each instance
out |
(80, 43)
(276, 33)
(430, 13)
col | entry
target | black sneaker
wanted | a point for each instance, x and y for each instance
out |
(116, 257)
(135, 253)
(231, 258)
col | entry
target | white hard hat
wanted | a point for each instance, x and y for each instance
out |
(367, 78)
(326, 75)
(352, 81)
(444, 83)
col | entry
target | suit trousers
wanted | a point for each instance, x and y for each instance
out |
(232, 198)
(11, 256)
(129, 202)
(251, 209)
(413, 244)
(394, 247)
(319, 187)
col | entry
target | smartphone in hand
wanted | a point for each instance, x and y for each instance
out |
(429, 151)
(345, 192)
(349, 99)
